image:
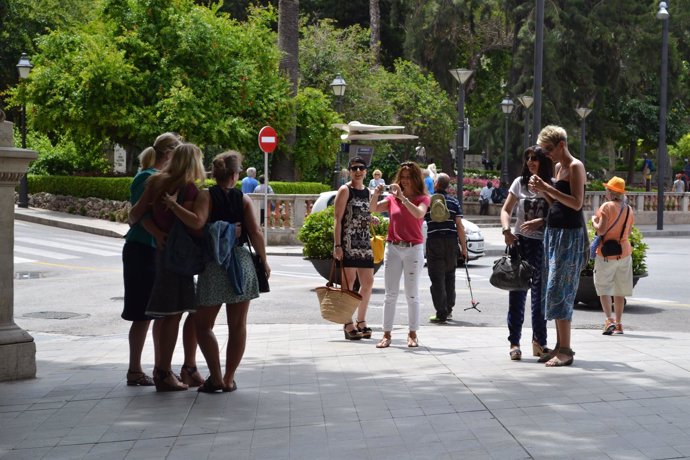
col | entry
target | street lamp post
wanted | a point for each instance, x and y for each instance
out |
(338, 86)
(582, 112)
(461, 75)
(538, 64)
(526, 102)
(507, 106)
(662, 15)
(24, 68)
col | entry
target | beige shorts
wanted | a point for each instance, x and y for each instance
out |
(613, 276)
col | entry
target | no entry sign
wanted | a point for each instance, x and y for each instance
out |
(268, 139)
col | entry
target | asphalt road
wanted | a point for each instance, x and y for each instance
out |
(69, 282)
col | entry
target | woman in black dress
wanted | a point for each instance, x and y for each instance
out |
(352, 244)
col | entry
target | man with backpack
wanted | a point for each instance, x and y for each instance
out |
(444, 233)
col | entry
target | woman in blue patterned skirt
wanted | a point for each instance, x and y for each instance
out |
(564, 239)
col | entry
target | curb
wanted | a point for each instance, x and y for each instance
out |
(68, 225)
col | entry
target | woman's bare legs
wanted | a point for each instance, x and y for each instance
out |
(169, 326)
(137, 338)
(189, 341)
(237, 339)
(563, 340)
(366, 282)
(205, 320)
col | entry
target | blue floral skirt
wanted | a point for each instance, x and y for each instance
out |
(563, 261)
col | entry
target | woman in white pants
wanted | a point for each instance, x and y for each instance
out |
(406, 206)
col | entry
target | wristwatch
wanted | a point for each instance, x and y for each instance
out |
(506, 230)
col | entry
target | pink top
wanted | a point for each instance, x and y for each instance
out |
(611, 209)
(403, 226)
(163, 217)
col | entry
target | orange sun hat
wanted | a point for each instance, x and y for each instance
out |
(616, 184)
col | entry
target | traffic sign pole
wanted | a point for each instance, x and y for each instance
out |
(268, 141)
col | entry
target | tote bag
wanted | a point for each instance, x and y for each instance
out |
(337, 304)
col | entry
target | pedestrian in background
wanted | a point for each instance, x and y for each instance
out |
(613, 275)
(678, 184)
(443, 241)
(377, 180)
(564, 238)
(172, 294)
(139, 259)
(428, 181)
(249, 183)
(233, 282)
(485, 198)
(527, 239)
(263, 189)
(352, 242)
(406, 205)
(647, 168)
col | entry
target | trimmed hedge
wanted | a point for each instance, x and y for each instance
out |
(117, 188)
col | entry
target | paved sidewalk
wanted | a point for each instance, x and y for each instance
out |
(306, 393)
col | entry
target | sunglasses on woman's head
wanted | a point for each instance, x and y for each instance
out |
(358, 168)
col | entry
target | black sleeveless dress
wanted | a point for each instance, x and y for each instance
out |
(355, 236)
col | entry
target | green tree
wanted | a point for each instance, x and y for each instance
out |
(147, 66)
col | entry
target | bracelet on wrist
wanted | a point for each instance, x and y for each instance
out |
(338, 246)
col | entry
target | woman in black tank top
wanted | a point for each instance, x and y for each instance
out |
(564, 239)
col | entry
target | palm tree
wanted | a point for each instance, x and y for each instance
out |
(288, 42)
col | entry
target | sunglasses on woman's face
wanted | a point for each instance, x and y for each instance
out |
(532, 158)
(358, 168)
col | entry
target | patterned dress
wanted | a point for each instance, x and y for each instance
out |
(355, 235)
(564, 257)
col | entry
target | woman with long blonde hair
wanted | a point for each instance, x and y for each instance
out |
(233, 282)
(172, 294)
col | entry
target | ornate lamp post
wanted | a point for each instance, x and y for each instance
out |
(461, 75)
(582, 112)
(24, 68)
(663, 16)
(338, 86)
(507, 106)
(526, 102)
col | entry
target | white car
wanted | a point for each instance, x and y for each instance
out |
(475, 239)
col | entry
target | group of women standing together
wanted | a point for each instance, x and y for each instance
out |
(551, 234)
(165, 190)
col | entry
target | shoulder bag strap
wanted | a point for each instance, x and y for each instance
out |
(627, 211)
(614, 222)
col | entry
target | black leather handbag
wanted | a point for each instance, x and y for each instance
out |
(511, 273)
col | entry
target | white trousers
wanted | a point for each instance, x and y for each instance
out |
(407, 261)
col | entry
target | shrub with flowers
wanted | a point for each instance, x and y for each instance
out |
(473, 182)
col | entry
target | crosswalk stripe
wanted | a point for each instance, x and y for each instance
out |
(21, 260)
(68, 247)
(91, 244)
(44, 253)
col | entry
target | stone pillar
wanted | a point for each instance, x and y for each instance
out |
(17, 347)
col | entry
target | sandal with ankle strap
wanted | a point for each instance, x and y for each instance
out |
(139, 379)
(208, 387)
(190, 376)
(556, 362)
(166, 381)
(354, 334)
(385, 342)
(366, 331)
